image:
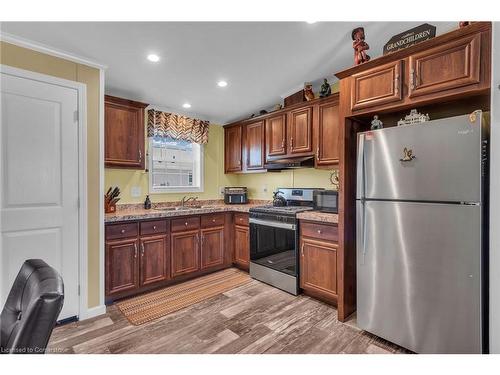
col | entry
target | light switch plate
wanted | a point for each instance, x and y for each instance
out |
(135, 191)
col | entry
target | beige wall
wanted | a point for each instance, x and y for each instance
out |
(41, 63)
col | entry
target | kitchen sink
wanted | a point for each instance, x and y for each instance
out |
(185, 208)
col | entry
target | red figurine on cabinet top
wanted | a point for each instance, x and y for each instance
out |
(360, 46)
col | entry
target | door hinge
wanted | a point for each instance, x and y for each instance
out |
(78, 289)
(76, 116)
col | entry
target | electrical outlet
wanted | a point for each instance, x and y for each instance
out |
(135, 191)
(264, 188)
(221, 189)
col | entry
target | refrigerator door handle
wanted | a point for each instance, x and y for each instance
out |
(360, 168)
(361, 230)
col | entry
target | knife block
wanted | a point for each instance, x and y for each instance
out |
(109, 207)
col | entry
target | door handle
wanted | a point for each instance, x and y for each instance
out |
(283, 143)
(135, 250)
(317, 153)
(396, 84)
(412, 78)
(302, 250)
(142, 249)
(140, 155)
(291, 142)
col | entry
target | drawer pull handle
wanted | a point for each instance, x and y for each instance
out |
(123, 231)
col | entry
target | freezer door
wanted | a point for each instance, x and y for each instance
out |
(419, 275)
(434, 161)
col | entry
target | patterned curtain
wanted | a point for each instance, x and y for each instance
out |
(163, 124)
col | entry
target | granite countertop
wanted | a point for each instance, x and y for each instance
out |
(322, 217)
(138, 213)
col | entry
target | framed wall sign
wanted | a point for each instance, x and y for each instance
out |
(410, 37)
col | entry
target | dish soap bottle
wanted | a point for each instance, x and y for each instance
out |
(147, 203)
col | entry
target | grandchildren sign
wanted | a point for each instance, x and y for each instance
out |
(410, 37)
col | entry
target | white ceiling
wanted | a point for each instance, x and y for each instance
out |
(262, 61)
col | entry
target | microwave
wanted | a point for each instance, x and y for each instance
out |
(326, 201)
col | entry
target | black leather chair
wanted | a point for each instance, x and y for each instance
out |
(31, 309)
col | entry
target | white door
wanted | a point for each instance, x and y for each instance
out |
(39, 182)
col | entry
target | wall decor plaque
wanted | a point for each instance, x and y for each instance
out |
(410, 37)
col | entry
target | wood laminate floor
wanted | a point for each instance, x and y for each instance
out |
(255, 318)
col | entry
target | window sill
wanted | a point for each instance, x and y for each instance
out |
(176, 190)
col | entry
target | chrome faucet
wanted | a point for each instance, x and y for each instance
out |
(185, 200)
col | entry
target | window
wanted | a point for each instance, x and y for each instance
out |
(175, 166)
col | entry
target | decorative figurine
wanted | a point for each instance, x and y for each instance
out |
(325, 90)
(360, 46)
(262, 112)
(414, 118)
(376, 123)
(463, 24)
(308, 91)
(277, 107)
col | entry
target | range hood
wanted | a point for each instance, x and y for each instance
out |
(292, 163)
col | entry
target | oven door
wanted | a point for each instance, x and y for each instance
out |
(273, 244)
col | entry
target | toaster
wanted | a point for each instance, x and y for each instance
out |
(235, 195)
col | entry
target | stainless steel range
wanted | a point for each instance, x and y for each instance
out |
(274, 238)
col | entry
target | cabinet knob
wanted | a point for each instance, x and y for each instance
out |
(154, 226)
(319, 231)
(213, 220)
(123, 231)
(186, 223)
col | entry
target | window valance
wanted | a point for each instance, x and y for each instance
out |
(170, 125)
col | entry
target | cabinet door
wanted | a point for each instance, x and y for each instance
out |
(185, 252)
(241, 246)
(318, 267)
(327, 135)
(123, 133)
(300, 131)
(255, 145)
(212, 247)
(276, 136)
(449, 66)
(377, 86)
(122, 267)
(232, 148)
(154, 259)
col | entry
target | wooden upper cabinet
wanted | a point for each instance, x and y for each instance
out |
(276, 136)
(327, 134)
(377, 86)
(123, 133)
(154, 259)
(254, 145)
(445, 67)
(300, 131)
(233, 148)
(122, 270)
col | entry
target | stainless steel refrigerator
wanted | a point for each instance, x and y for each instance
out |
(420, 242)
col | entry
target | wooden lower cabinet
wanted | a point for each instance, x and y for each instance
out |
(318, 268)
(154, 259)
(242, 246)
(185, 252)
(122, 271)
(212, 247)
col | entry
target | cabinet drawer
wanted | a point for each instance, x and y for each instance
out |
(153, 227)
(320, 231)
(212, 220)
(123, 230)
(241, 219)
(187, 223)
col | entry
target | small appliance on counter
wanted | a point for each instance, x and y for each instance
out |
(235, 195)
(326, 201)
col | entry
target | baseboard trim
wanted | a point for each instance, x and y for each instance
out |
(92, 312)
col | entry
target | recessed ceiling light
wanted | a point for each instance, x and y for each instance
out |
(186, 105)
(222, 83)
(153, 58)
